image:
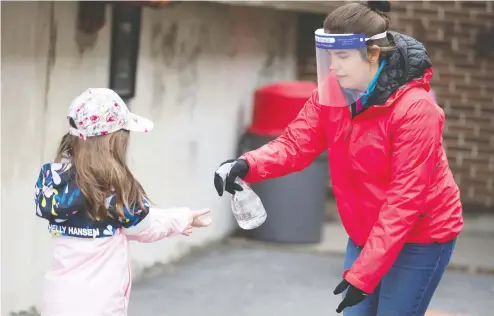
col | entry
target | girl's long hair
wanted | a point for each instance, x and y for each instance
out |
(101, 170)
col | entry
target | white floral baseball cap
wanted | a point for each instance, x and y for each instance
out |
(101, 111)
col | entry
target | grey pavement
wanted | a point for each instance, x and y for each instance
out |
(238, 279)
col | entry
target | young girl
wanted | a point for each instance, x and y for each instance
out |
(395, 192)
(94, 206)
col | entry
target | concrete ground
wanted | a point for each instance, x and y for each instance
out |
(249, 279)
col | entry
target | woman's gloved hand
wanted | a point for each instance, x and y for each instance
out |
(239, 169)
(353, 295)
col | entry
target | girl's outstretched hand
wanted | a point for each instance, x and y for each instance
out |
(197, 221)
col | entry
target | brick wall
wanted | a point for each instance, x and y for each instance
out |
(463, 82)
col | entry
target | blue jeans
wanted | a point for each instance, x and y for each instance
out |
(407, 288)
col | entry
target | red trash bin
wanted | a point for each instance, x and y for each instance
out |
(277, 104)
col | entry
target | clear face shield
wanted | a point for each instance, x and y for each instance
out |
(343, 69)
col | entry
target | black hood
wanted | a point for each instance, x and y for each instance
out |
(407, 61)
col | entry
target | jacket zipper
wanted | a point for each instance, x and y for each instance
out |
(347, 144)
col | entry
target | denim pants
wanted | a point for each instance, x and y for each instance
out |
(407, 288)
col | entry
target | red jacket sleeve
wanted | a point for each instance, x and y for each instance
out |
(414, 146)
(303, 140)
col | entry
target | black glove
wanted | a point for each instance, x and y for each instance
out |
(353, 295)
(239, 169)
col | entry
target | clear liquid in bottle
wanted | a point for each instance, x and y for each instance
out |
(247, 207)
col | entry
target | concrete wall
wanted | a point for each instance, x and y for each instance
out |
(198, 66)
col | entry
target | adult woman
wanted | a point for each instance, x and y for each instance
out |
(395, 192)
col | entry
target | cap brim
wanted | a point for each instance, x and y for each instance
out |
(136, 123)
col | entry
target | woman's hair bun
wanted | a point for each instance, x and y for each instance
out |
(383, 6)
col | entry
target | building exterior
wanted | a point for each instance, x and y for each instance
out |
(197, 69)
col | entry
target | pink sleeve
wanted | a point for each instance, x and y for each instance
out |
(159, 224)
